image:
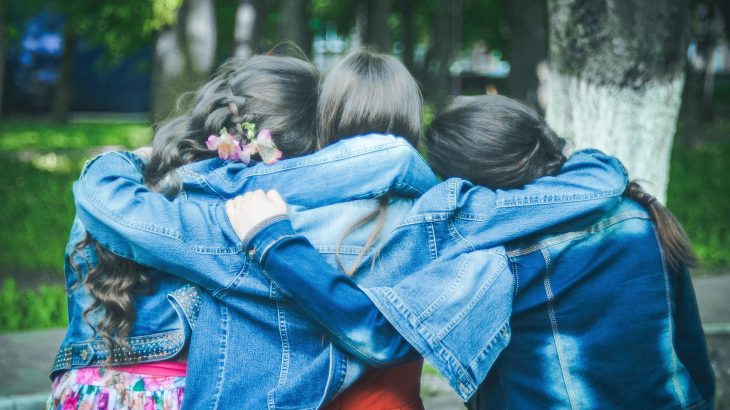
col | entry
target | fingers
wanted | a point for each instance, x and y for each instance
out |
(276, 199)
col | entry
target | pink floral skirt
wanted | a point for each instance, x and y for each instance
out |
(108, 389)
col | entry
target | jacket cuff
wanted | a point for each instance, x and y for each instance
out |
(266, 234)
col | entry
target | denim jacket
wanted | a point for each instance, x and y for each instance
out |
(598, 319)
(290, 364)
(591, 185)
(165, 317)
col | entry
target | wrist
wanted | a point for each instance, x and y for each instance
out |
(266, 234)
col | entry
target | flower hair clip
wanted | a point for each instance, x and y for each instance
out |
(229, 147)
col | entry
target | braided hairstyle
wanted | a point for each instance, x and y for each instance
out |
(274, 92)
(493, 141)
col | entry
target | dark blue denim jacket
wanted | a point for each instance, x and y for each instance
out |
(193, 239)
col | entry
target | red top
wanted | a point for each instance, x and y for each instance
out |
(165, 369)
(397, 388)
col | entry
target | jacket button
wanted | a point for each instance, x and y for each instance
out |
(84, 354)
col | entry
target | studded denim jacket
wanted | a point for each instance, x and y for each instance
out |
(165, 317)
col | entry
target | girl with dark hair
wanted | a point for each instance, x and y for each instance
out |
(593, 312)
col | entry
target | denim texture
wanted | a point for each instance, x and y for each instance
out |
(291, 364)
(588, 315)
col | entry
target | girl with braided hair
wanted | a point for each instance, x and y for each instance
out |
(130, 325)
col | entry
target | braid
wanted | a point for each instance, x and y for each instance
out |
(279, 93)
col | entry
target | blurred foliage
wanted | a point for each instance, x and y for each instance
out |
(121, 26)
(27, 310)
(38, 165)
(699, 197)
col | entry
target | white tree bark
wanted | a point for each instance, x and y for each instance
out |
(249, 23)
(637, 126)
(616, 79)
(184, 56)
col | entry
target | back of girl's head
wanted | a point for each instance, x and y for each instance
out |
(493, 141)
(367, 92)
(278, 93)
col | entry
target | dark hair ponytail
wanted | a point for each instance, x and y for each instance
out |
(278, 93)
(674, 241)
(493, 141)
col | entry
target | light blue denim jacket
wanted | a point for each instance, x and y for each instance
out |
(290, 364)
(135, 223)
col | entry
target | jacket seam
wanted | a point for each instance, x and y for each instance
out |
(478, 297)
(556, 333)
(172, 234)
(550, 199)
(602, 225)
(324, 325)
(670, 321)
(336, 158)
(448, 292)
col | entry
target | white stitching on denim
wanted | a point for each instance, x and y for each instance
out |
(445, 294)
(465, 311)
(556, 334)
(670, 321)
(604, 224)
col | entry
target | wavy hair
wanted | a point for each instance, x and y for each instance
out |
(274, 92)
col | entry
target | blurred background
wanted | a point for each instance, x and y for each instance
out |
(648, 81)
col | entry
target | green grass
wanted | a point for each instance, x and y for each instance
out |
(23, 134)
(32, 309)
(699, 196)
(38, 164)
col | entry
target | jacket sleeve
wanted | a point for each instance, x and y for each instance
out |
(330, 298)
(589, 184)
(130, 220)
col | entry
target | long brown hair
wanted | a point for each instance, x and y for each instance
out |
(368, 92)
(274, 92)
(674, 241)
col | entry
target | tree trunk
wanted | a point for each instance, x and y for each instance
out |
(63, 92)
(378, 30)
(616, 79)
(443, 53)
(184, 56)
(528, 47)
(455, 46)
(250, 19)
(293, 24)
(409, 37)
(362, 11)
(3, 54)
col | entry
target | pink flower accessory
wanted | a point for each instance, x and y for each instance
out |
(261, 144)
(228, 147)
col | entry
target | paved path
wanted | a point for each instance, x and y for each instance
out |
(26, 357)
